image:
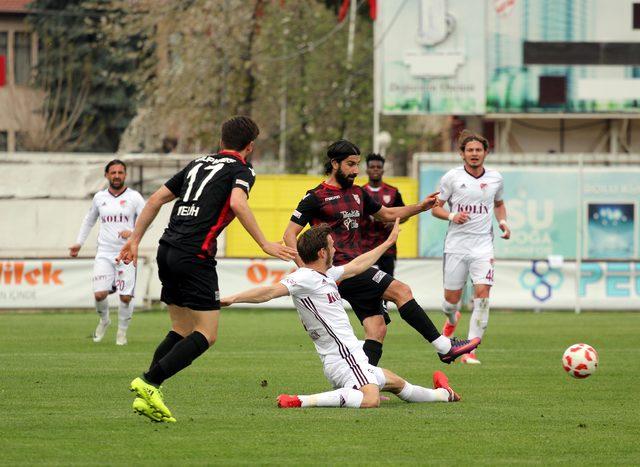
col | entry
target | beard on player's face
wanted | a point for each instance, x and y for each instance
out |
(343, 179)
(116, 183)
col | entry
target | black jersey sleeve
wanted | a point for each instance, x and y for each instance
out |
(174, 184)
(371, 206)
(398, 201)
(307, 209)
(244, 178)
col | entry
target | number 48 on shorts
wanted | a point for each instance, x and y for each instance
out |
(457, 267)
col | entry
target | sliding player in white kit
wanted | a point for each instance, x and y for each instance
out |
(473, 194)
(117, 206)
(315, 294)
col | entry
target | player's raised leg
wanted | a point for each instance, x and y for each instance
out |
(456, 268)
(448, 350)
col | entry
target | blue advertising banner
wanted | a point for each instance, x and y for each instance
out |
(548, 207)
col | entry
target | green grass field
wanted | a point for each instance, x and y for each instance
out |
(64, 399)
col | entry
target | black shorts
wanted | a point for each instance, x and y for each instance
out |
(187, 280)
(387, 263)
(364, 292)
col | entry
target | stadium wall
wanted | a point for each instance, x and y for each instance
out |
(274, 197)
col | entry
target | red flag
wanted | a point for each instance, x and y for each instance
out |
(344, 8)
(342, 13)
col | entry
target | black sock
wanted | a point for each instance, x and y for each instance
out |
(373, 349)
(171, 339)
(178, 358)
(413, 314)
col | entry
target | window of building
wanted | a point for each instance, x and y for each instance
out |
(22, 61)
(553, 90)
(22, 143)
(636, 15)
(4, 141)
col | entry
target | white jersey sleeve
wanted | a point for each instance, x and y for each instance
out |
(335, 272)
(446, 187)
(298, 282)
(88, 222)
(500, 191)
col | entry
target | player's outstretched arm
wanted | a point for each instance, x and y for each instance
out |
(256, 295)
(386, 214)
(500, 211)
(290, 238)
(366, 260)
(244, 214)
(129, 252)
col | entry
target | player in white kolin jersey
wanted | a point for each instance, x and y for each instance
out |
(117, 207)
(473, 195)
(313, 287)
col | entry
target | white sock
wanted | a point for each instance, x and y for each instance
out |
(125, 312)
(442, 344)
(479, 317)
(102, 307)
(412, 393)
(339, 398)
(450, 311)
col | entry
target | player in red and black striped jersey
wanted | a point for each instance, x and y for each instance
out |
(375, 232)
(210, 192)
(343, 206)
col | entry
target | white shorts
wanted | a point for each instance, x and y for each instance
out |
(354, 372)
(457, 266)
(108, 276)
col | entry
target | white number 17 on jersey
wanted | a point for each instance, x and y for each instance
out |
(193, 174)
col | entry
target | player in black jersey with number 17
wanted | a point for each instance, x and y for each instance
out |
(210, 192)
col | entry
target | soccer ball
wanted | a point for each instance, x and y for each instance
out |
(580, 360)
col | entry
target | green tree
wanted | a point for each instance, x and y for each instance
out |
(88, 104)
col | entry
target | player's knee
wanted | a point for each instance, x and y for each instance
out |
(211, 337)
(452, 296)
(400, 293)
(376, 330)
(126, 299)
(99, 296)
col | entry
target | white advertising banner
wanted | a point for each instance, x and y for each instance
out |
(55, 283)
(519, 284)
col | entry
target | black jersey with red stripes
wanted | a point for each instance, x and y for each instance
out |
(374, 232)
(343, 209)
(202, 208)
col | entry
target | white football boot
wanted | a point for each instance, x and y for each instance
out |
(100, 331)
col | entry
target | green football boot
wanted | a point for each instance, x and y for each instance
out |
(141, 407)
(152, 396)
